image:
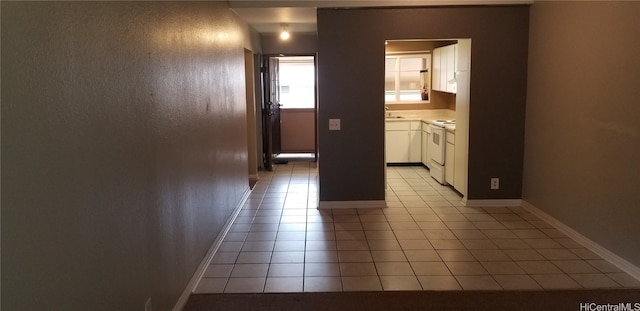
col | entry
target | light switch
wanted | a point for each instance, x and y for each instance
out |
(334, 124)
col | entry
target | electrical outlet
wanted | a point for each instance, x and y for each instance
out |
(495, 183)
(147, 305)
(334, 124)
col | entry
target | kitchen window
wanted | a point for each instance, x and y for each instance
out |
(407, 78)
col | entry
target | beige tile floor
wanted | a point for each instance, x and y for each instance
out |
(425, 240)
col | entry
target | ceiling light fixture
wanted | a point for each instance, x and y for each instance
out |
(284, 32)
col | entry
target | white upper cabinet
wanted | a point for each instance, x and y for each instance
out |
(444, 68)
(437, 69)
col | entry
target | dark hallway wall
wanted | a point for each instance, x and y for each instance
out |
(123, 149)
(351, 84)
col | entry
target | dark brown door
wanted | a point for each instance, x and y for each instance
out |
(271, 111)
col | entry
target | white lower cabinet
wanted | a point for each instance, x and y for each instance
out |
(403, 142)
(426, 135)
(415, 145)
(449, 161)
(397, 146)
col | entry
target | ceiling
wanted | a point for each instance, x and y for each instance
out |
(267, 16)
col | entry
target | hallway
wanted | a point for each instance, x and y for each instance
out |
(425, 240)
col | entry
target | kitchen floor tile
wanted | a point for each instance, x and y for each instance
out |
(502, 267)
(224, 258)
(574, 266)
(415, 244)
(254, 257)
(286, 270)
(289, 246)
(517, 282)
(422, 255)
(355, 256)
(447, 244)
(594, 280)
(322, 284)
(321, 269)
(524, 254)
(466, 268)
(430, 268)
(211, 285)
(249, 270)
(438, 282)
(218, 271)
(490, 255)
(400, 282)
(393, 268)
(539, 267)
(283, 284)
(555, 281)
(245, 285)
(409, 234)
(358, 245)
(455, 255)
(425, 239)
(477, 282)
(287, 257)
(321, 256)
(357, 269)
(379, 245)
(379, 256)
(361, 283)
(624, 280)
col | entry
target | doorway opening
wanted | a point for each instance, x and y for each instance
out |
(427, 83)
(290, 111)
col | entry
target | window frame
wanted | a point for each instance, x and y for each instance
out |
(426, 56)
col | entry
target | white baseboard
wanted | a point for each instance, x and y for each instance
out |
(607, 255)
(353, 204)
(193, 283)
(492, 203)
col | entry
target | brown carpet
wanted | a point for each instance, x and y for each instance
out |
(422, 300)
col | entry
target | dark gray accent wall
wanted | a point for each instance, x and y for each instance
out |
(583, 120)
(298, 44)
(351, 86)
(123, 149)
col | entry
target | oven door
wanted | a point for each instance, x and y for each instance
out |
(437, 144)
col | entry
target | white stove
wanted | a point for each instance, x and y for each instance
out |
(437, 149)
(443, 123)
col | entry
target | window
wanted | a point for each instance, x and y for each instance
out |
(407, 78)
(297, 82)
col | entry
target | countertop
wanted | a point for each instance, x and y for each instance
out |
(449, 128)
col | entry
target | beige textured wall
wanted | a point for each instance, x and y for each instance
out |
(582, 140)
(123, 149)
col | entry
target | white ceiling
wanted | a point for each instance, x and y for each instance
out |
(266, 16)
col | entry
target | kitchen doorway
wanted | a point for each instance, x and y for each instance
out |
(427, 81)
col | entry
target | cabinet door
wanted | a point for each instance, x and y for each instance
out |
(449, 163)
(415, 146)
(425, 148)
(436, 70)
(451, 68)
(397, 146)
(428, 159)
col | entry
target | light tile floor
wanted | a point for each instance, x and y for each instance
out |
(425, 240)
